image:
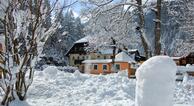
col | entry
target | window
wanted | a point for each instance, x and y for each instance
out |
(104, 57)
(133, 65)
(104, 67)
(117, 66)
(95, 66)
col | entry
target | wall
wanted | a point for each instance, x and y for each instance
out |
(123, 66)
(100, 70)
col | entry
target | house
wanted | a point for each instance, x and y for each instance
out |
(184, 60)
(189, 59)
(77, 53)
(176, 60)
(136, 55)
(104, 66)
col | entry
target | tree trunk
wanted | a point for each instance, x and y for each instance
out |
(8, 96)
(114, 53)
(141, 28)
(158, 28)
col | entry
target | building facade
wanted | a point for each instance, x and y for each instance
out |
(78, 53)
(105, 66)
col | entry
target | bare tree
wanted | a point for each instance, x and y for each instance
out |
(25, 34)
(107, 6)
(140, 29)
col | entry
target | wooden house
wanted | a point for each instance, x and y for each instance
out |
(104, 66)
(189, 59)
(136, 55)
(184, 60)
(77, 54)
(176, 60)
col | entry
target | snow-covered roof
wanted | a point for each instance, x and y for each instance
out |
(175, 58)
(83, 40)
(132, 50)
(122, 56)
(106, 51)
(98, 61)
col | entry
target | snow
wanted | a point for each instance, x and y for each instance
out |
(98, 61)
(50, 72)
(188, 68)
(185, 78)
(122, 56)
(83, 40)
(76, 89)
(155, 82)
(81, 90)
(106, 51)
(132, 50)
(176, 58)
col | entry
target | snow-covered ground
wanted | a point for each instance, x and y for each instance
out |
(52, 87)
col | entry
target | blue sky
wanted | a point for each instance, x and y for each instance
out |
(76, 7)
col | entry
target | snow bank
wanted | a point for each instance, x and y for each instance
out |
(77, 89)
(50, 72)
(155, 82)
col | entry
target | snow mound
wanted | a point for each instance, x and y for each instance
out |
(156, 82)
(50, 72)
(77, 89)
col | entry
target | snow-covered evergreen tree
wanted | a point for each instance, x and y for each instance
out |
(59, 43)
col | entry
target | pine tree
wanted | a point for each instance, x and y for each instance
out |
(59, 43)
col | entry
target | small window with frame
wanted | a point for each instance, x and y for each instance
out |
(95, 67)
(104, 67)
(117, 66)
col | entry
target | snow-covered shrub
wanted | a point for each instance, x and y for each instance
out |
(25, 34)
(155, 82)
